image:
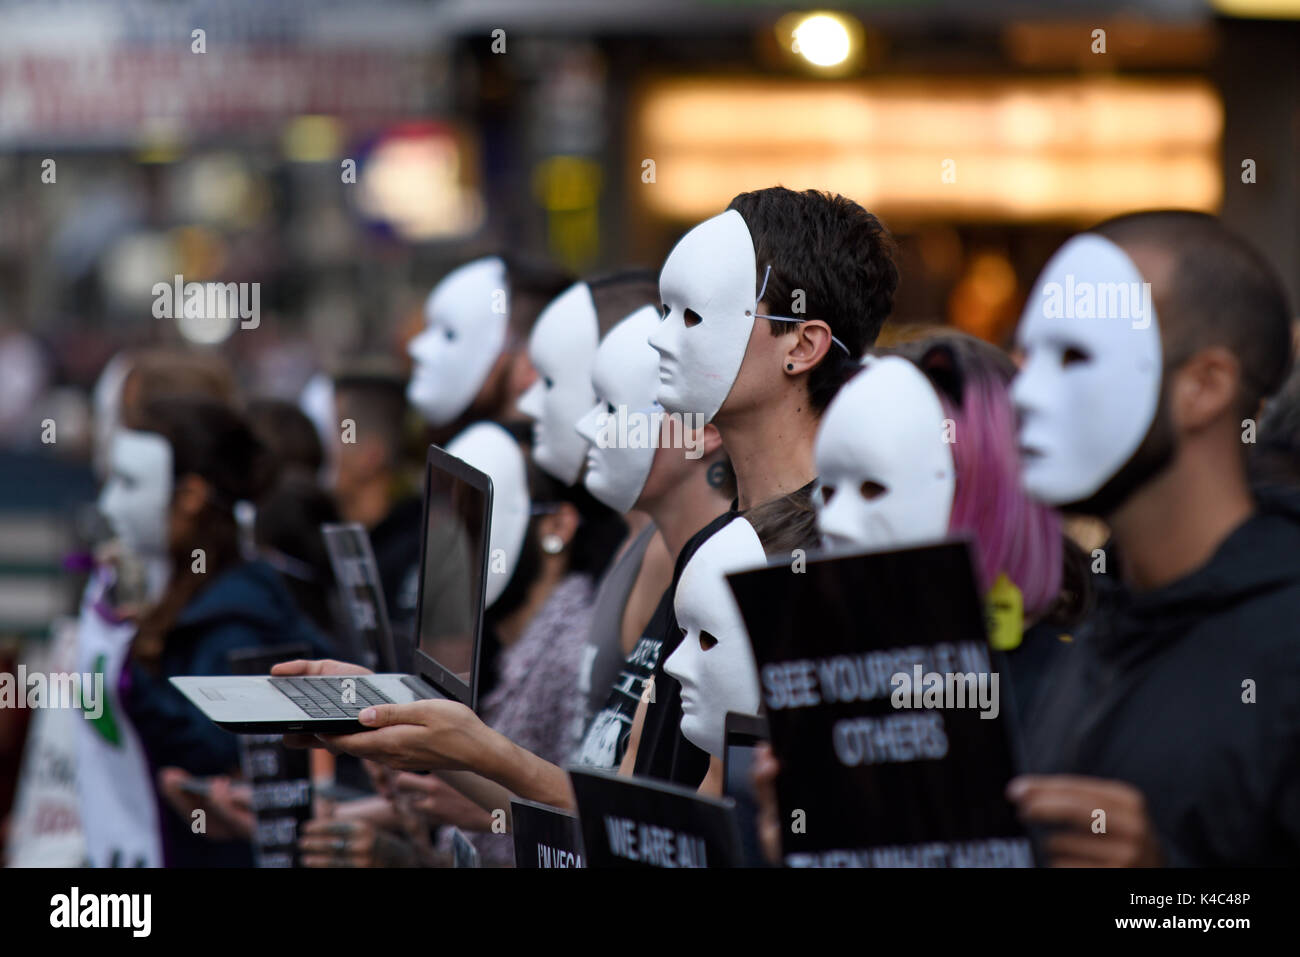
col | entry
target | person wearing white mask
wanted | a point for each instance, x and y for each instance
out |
(920, 446)
(468, 363)
(714, 664)
(178, 478)
(681, 493)
(118, 809)
(1148, 345)
(766, 309)
(561, 347)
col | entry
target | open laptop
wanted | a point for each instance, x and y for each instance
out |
(449, 618)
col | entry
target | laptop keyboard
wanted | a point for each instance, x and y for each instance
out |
(322, 697)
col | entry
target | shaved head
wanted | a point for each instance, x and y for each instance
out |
(1210, 288)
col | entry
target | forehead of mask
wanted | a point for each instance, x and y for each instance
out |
(1089, 383)
(138, 493)
(561, 347)
(465, 332)
(723, 678)
(625, 375)
(886, 428)
(491, 449)
(711, 272)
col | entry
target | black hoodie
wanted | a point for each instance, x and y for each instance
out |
(1191, 692)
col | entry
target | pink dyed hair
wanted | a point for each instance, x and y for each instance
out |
(1010, 532)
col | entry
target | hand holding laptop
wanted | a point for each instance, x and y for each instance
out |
(435, 734)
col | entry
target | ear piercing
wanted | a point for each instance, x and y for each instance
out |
(789, 367)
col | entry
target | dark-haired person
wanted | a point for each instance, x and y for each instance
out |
(374, 487)
(175, 482)
(118, 812)
(682, 482)
(828, 265)
(1148, 344)
(286, 529)
(766, 308)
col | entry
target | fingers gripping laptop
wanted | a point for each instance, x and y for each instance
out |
(449, 617)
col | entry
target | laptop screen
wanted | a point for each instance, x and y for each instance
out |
(457, 508)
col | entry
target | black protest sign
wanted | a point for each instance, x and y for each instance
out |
(361, 593)
(636, 822)
(280, 777)
(544, 836)
(884, 710)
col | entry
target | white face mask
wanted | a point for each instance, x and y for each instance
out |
(465, 333)
(107, 407)
(1089, 386)
(562, 346)
(708, 281)
(625, 376)
(884, 470)
(137, 497)
(723, 678)
(491, 449)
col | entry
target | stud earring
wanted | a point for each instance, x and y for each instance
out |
(552, 544)
(789, 367)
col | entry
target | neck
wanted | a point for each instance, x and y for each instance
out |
(368, 503)
(636, 521)
(711, 786)
(1174, 524)
(771, 448)
(685, 509)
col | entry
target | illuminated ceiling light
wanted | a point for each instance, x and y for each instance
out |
(823, 39)
(1262, 9)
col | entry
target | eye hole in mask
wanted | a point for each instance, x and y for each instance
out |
(707, 641)
(450, 334)
(550, 384)
(828, 493)
(1074, 354)
(870, 490)
(692, 318)
(609, 407)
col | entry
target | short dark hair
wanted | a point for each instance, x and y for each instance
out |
(1222, 292)
(618, 295)
(838, 255)
(533, 282)
(289, 434)
(376, 401)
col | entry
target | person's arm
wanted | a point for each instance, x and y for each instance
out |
(524, 773)
(488, 795)
(439, 735)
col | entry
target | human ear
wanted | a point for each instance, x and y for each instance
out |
(811, 343)
(709, 441)
(1205, 388)
(192, 492)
